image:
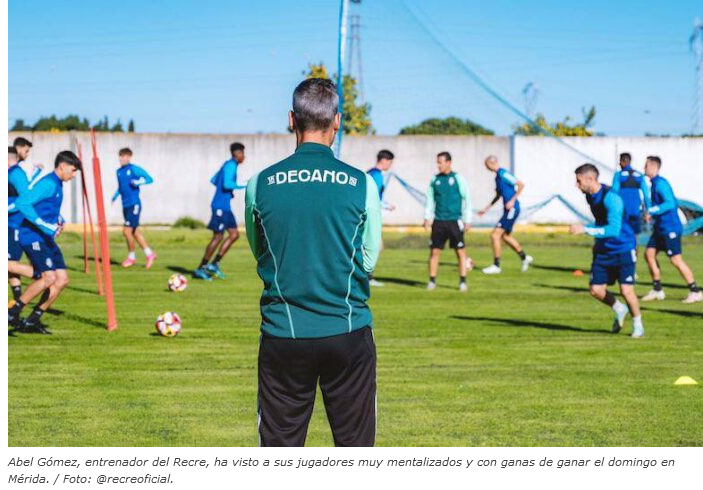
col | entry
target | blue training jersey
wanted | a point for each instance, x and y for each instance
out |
(631, 186)
(612, 232)
(129, 179)
(377, 177)
(40, 207)
(225, 182)
(664, 207)
(17, 184)
(505, 186)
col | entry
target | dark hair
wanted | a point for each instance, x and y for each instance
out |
(236, 147)
(445, 154)
(68, 157)
(656, 160)
(625, 157)
(385, 155)
(315, 104)
(125, 151)
(587, 168)
(11, 150)
(20, 142)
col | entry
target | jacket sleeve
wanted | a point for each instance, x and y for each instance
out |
(668, 200)
(142, 177)
(614, 207)
(646, 193)
(429, 201)
(466, 213)
(250, 216)
(616, 182)
(229, 182)
(371, 237)
(25, 205)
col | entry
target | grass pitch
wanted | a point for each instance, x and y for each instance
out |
(521, 360)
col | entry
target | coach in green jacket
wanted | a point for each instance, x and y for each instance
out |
(314, 226)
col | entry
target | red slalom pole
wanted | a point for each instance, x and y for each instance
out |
(86, 201)
(102, 229)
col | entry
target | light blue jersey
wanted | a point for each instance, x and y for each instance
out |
(129, 178)
(225, 182)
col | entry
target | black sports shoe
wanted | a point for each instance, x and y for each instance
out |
(14, 320)
(33, 327)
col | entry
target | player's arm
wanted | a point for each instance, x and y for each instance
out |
(668, 203)
(250, 216)
(429, 204)
(20, 183)
(616, 182)
(229, 181)
(465, 201)
(614, 207)
(488, 206)
(25, 205)
(117, 192)
(143, 177)
(646, 194)
(371, 237)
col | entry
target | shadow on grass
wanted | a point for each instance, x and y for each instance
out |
(75, 318)
(179, 270)
(82, 290)
(686, 314)
(407, 282)
(563, 288)
(441, 264)
(558, 268)
(508, 322)
(92, 261)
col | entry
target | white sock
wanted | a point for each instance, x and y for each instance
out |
(148, 251)
(637, 321)
(618, 307)
(131, 255)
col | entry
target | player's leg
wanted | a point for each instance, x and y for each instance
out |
(650, 256)
(456, 241)
(694, 295)
(44, 282)
(496, 237)
(286, 395)
(348, 385)
(33, 322)
(148, 252)
(461, 256)
(515, 245)
(438, 239)
(128, 233)
(214, 267)
(626, 278)
(201, 272)
(628, 292)
(433, 267)
(16, 269)
(605, 271)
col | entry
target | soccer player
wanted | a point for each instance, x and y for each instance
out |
(130, 178)
(508, 188)
(41, 208)
(666, 235)
(384, 162)
(314, 225)
(225, 182)
(614, 254)
(448, 215)
(632, 188)
(18, 181)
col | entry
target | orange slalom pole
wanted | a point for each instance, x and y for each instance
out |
(96, 255)
(104, 244)
(86, 263)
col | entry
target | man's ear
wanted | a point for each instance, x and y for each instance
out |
(337, 121)
(291, 121)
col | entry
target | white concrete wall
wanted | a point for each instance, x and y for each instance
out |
(182, 165)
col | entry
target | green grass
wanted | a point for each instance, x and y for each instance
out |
(522, 359)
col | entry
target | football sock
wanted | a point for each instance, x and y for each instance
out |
(370, 276)
(618, 307)
(35, 315)
(462, 279)
(496, 261)
(131, 255)
(433, 279)
(657, 285)
(148, 252)
(693, 287)
(203, 263)
(637, 321)
(522, 255)
(16, 292)
(16, 308)
(44, 296)
(217, 259)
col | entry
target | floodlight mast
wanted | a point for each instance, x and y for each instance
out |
(341, 54)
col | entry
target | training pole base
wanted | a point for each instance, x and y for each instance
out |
(111, 327)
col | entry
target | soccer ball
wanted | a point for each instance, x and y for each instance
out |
(168, 324)
(177, 283)
(469, 264)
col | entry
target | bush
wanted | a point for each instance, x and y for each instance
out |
(188, 222)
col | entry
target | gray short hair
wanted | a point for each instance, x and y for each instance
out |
(315, 104)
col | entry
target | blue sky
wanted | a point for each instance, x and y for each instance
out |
(230, 66)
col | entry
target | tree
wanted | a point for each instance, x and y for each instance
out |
(117, 128)
(356, 117)
(561, 128)
(448, 125)
(69, 123)
(20, 126)
(130, 126)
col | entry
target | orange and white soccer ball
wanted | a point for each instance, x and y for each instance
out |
(469, 264)
(168, 324)
(177, 283)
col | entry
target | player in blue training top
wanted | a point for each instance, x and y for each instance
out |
(666, 235)
(632, 187)
(130, 178)
(508, 188)
(614, 254)
(384, 162)
(18, 181)
(225, 182)
(41, 207)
